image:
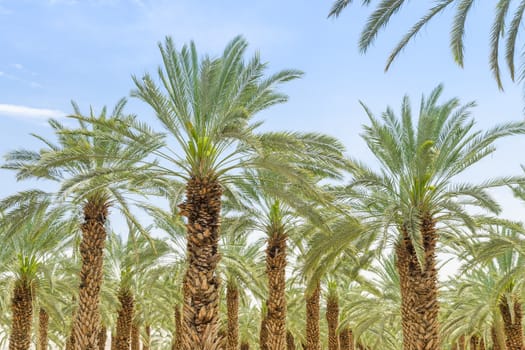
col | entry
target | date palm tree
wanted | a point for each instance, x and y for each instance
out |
(206, 105)
(240, 268)
(501, 34)
(415, 196)
(371, 309)
(90, 170)
(275, 207)
(127, 263)
(33, 232)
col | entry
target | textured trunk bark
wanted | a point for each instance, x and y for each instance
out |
(332, 317)
(102, 337)
(232, 301)
(135, 337)
(419, 290)
(177, 336)
(346, 339)
(290, 341)
(147, 338)
(275, 270)
(87, 321)
(497, 342)
(70, 342)
(201, 285)
(313, 307)
(22, 316)
(43, 326)
(263, 335)
(245, 346)
(512, 324)
(474, 342)
(124, 320)
(461, 342)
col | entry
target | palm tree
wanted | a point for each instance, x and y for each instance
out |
(504, 11)
(240, 268)
(502, 258)
(33, 231)
(275, 205)
(332, 315)
(207, 108)
(371, 311)
(414, 196)
(127, 263)
(90, 169)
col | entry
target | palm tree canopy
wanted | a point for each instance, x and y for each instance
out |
(207, 105)
(505, 27)
(419, 165)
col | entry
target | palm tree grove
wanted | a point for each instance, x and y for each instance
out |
(202, 210)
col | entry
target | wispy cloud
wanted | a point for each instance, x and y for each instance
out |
(29, 113)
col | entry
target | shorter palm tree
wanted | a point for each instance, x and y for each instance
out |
(34, 233)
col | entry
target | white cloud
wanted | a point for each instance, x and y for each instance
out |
(29, 113)
(18, 66)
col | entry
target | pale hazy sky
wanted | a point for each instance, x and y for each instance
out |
(55, 51)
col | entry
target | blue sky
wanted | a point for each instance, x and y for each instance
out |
(55, 51)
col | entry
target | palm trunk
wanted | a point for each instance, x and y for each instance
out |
(201, 285)
(43, 326)
(263, 335)
(290, 341)
(474, 342)
(245, 346)
(346, 339)
(87, 321)
(147, 338)
(332, 317)
(102, 337)
(419, 290)
(70, 341)
(177, 336)
(135, 337)
(462, 343)
(313, 307)
(512, 324)
(22, 314)
(498, 341)
(124, 320)
(275, 270)
(232, 301)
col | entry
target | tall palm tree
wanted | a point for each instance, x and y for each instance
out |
(505, 11)
(415, 197)
(207, 105)
(90, 170)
